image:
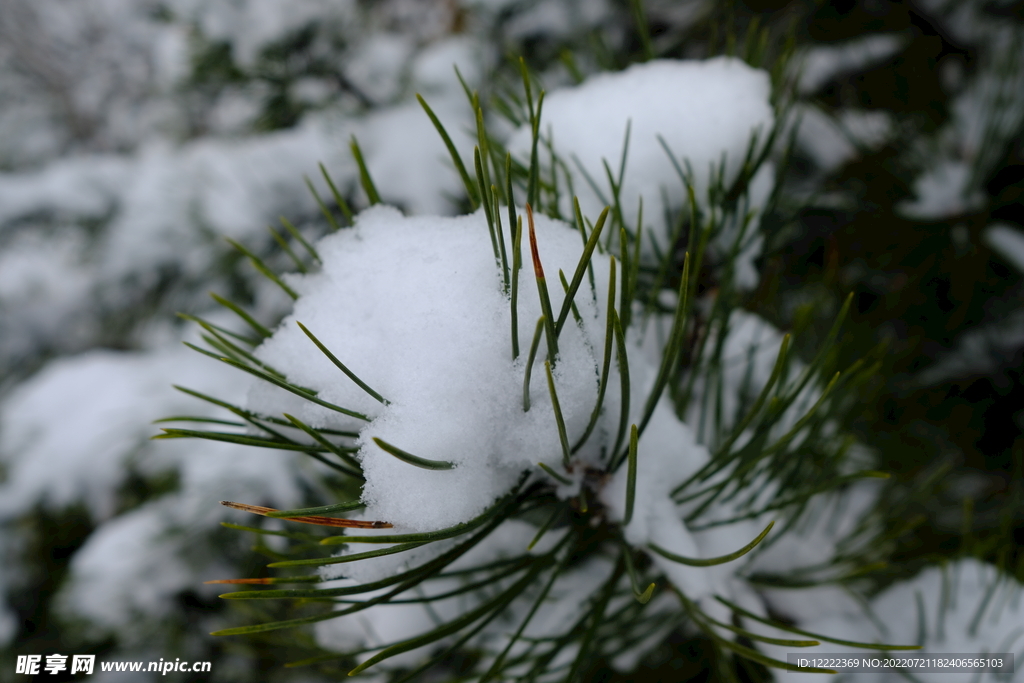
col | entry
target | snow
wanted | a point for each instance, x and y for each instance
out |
(375, 628)
(84, 186)
(833, 140)
(814, 541)
(1007, 242)
(549, 18)
(991, 347)
(706, 112)
(71, 432)
(944, 190)
(164, 208)
(432, 336)
(165, 200)
(130, 565)
(749, 352)
(377, 66)
(74, 431)
(138, 562)
(250, 25)
(433, 70)
(703, 110)
(67, 433)
(408, 159)
(430, 331)
(667, 454)
(92, 75)
(822, 63)
(957, 619)
(232, 188)
(44, 287)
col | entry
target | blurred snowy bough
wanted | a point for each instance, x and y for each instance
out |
(906, 200)
(599, 434)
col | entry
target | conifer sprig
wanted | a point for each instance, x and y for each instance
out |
(778, 437)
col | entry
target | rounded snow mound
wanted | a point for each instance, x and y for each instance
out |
(417, 308)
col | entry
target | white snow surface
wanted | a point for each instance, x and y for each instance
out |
(74, 431)
(130, 570)
(666, 455)
(702, 109)
(130, 566)
(407, 158)
(705, 111)
(71, 432)
(430, 330)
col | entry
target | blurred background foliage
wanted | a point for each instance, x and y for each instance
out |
(908, 152)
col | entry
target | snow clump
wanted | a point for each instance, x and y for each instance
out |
(416, 308)
(705, 112)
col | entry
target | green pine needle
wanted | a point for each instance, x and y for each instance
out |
(817, 636)
(338, 198)
(623, 360)
(555, 515)
(471, 189)
(364, 173)
(606, 362)
(320, 510)
(712, 561)
(494, 605)
(554, 475)
(248, 341)
(191, 418)
(225, 346)
(581, 269)
(565, 288)
(672, 350)
(263, 268)
(488, 208)
(631, 476)
(229, 437)
(319, 202)
(563, 438)
(341, 366)
(297, 236)
(534, 345)
(517, 264)
(262, 331)
(355, 557)
(298, 391)
(407, 457)
(501, 238)
(343, 453)
(641, 596)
